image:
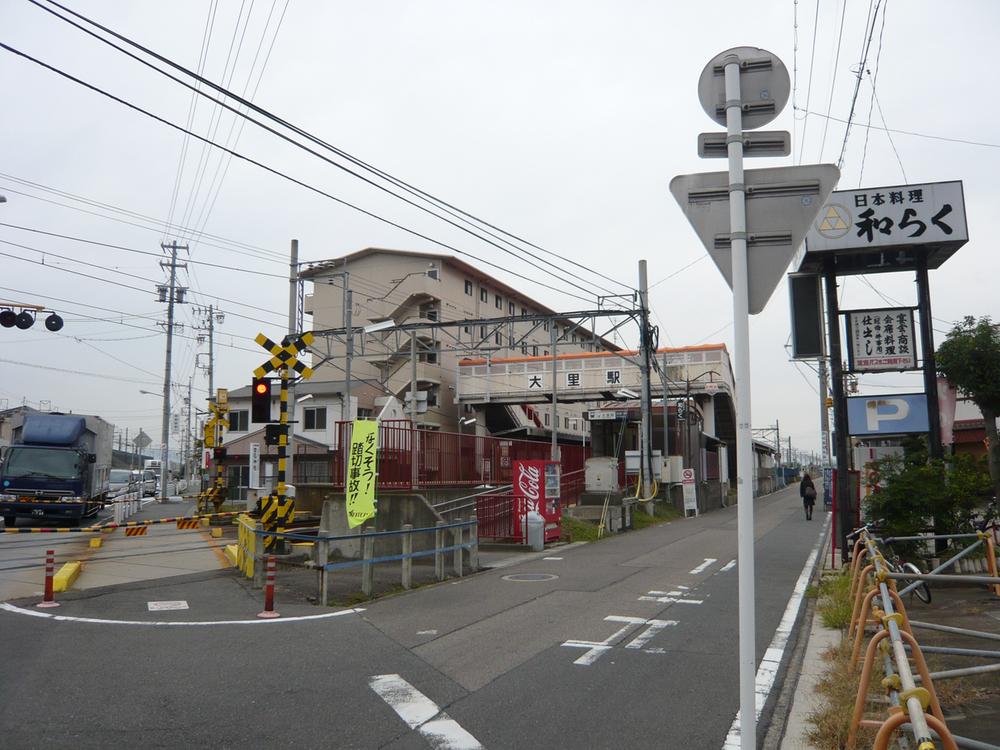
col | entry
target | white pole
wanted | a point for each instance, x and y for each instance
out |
(744, 453)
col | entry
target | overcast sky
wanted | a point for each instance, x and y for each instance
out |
(562, 122)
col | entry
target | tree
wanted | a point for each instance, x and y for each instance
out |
(970, 358)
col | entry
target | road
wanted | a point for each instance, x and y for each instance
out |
(630, 642)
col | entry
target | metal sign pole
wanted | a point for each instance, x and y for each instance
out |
(744, 451)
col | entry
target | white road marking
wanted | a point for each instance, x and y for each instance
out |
(670, 600)
(686, 588)
(422, 714)
(596, 649)
(728, 566)
(655, 626)
(552, 558)
(768, 668)
(427, 632)
(704, 566)
(97, 621)
(159, 606)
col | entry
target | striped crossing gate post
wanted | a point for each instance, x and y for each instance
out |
(48, 598)
(269, 590)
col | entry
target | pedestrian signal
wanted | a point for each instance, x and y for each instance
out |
(219, 454)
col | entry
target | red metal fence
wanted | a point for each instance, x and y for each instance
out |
(449, 459)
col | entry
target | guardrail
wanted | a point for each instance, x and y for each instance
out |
(876, 602)
(368, 560)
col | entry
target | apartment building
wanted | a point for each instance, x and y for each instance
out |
(408, 287)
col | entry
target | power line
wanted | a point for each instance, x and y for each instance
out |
(888, 135)
(812, 67)
(679, 270)
(865, 47)
(833, 83)
(560, 271)
(966, 141)
(283, 175)
(871, 100)
(140, 252)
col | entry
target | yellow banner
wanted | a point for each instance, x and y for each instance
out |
(361, 473)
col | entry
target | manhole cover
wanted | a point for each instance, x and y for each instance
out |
(530, 577)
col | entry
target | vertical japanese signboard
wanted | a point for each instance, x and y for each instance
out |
(881, 340)
(361, 473)
(254, 481)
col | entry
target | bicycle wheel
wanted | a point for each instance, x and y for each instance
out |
(923, 591)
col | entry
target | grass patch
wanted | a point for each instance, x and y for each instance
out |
(662, 513)
(839, 687)
(835, 604)
(578, 530)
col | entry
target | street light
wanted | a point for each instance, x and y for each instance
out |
(166, 457)
(379, 326)
(151, 393)
(461, 436)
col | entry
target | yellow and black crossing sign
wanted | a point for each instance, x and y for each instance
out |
(136, 530)
(276, 512)
(284, 355)
(189, 523)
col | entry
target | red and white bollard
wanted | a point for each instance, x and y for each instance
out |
(49, 600)
(269, 590)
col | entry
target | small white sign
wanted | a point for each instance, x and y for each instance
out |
(160, 606)
(711, 388)
(690, 491)
(687, 476)
(254, 481)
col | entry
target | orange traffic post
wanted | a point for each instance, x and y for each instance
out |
(269, 590)
(49, 598)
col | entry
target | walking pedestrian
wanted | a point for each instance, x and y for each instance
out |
(807, 491)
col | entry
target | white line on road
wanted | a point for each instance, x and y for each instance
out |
(97, 621)
(728, 566)
(655, 626)
(705, 565)
(427, 632)
(768, 668)
(552, 558)
(422, 714)
(670, 600)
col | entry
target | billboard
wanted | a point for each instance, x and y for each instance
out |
(894, 414)
(881, 340)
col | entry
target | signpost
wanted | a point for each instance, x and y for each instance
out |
(882, 416)
(690, 491)
(254, 481)
(765, 212)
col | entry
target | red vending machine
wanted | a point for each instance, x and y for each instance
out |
(536, 487)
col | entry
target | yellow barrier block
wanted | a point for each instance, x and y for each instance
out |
(96, 542)
(231, 553)
(216, 533)
(205, 522)
(303, 547)
(66, 576)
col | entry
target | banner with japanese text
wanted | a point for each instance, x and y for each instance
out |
(881, 340)
(361, 473)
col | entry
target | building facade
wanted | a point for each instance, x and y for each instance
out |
(414, 287)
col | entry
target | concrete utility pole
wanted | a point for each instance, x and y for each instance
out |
(842, 489)
(824, 413)
(171, 297)
(554, 340)
(293, 317)
(347, 414)
(645, 437)
(414, 469)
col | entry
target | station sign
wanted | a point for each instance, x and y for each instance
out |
(894, 414)
(881, 340)
(606, 415)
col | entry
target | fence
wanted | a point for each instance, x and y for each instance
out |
(413, 458)
(369, 560)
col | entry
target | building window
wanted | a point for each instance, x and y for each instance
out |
(239, 421)
(482, 332)
(315, 418)
(545, 325)
(498, 301)
(498, 337)
(534, 351)
(576, 425)
(524, 311)
(432, 397)
(432, 273)
(364, 413)
(429, 311)
(510, 308)
(484, 296)
(468, 287)
(467, 329)
(546, 419)
(566, 422)
(524, 348)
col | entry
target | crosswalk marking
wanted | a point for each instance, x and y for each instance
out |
(422, 714)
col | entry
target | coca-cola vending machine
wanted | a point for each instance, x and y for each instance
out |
(536, 487)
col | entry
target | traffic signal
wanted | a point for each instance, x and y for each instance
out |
(260, 400)
(219, 454)
(26, 319)
(273, 433)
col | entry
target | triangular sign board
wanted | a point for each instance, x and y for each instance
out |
(781, 204)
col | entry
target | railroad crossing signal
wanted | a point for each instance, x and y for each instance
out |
(284, 355)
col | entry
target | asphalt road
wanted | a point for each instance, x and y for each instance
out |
(633, 644)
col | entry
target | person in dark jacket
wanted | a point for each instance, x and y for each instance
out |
(807, 491)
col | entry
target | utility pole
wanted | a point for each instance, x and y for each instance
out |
(172, 294)
(645, 441)
(293, 319)
(553, 342)
(824, 413)
(187, 432)
(414, 469)
(347, 414)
